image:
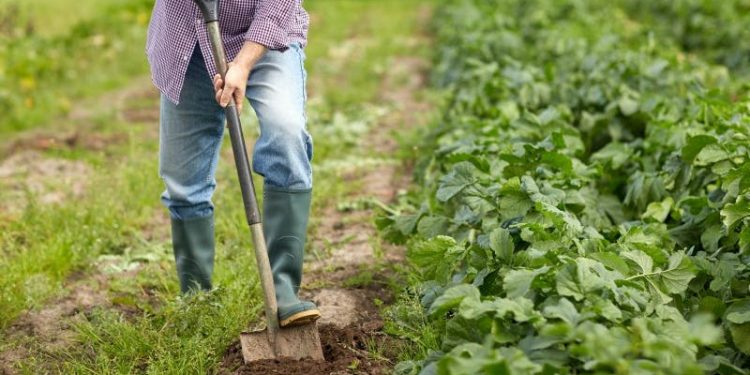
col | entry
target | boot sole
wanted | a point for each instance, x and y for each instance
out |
(300, 318)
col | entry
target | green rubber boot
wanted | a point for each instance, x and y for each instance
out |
(193, 244)
(285, 214)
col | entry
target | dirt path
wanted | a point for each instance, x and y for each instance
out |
(351, 283)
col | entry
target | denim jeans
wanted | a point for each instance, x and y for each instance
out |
(191, 132)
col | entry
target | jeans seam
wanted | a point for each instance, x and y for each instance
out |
(304, 83)
(303, 75)
(212, 166)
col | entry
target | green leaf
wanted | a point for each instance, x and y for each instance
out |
(741, 336)
(546, 195)
(608, 310)
(715, 364)
(612, 206)
(734, 212)
(663, 282)
(679, 273)
(710, 154)
(612, 260)
(454, 182)
(513, 201)
(563, 310)
(509, 109)
(452, 298)
(472, 359)
(459, 330)
(599, 343)
(464, 359)
(703, 330)
(615, 153)
(627, 105)
(501, 243)
(584, 276)
(711, 236)
(739, 312)
(520, 309)
(745, 240)
(561, 218)
(712, 305)
(548, 115)
(658, 211)
(558, 161)
(566, 283)
(435, 257)
(644, 262)
(722, 270)
(431, 226)
(518, 282)
(406, 223)
(694, 145)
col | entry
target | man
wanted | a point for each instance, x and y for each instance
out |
(264, 40)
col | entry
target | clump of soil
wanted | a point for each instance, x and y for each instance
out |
(49, 180)
(345, 351)
(77, 139)
(49, 329)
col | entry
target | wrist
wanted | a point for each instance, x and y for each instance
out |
(250, 53)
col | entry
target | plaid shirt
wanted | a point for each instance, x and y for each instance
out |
(177, 25)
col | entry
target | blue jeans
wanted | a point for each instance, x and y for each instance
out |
(191, 132)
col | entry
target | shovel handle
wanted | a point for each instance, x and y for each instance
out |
(209, 9)
(243, 172)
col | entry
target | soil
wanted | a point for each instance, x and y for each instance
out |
(122, 102)
(45, 141)
(26, 170)
(49, 180)
(51, 325)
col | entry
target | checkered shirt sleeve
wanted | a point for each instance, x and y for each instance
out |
(272, 23)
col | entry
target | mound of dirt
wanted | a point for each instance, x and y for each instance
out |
(46, 140)
(345, 351)
(51, 326)
(49, 180)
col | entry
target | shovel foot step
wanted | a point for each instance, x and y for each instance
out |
(300, 318)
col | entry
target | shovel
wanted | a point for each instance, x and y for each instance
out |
(274, 342)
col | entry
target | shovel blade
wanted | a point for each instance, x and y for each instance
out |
(293, 343)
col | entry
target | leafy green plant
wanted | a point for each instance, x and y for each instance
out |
(585, 207)
(716, 30)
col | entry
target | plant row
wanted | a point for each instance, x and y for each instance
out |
(584, 206)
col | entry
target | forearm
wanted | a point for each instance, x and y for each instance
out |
(250, 53)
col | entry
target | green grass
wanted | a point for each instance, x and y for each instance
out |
(41, 248)
(52, 17)
(368, 35)
(151, 329)
(47, 67)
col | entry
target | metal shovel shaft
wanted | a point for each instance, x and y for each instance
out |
(248, 189)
